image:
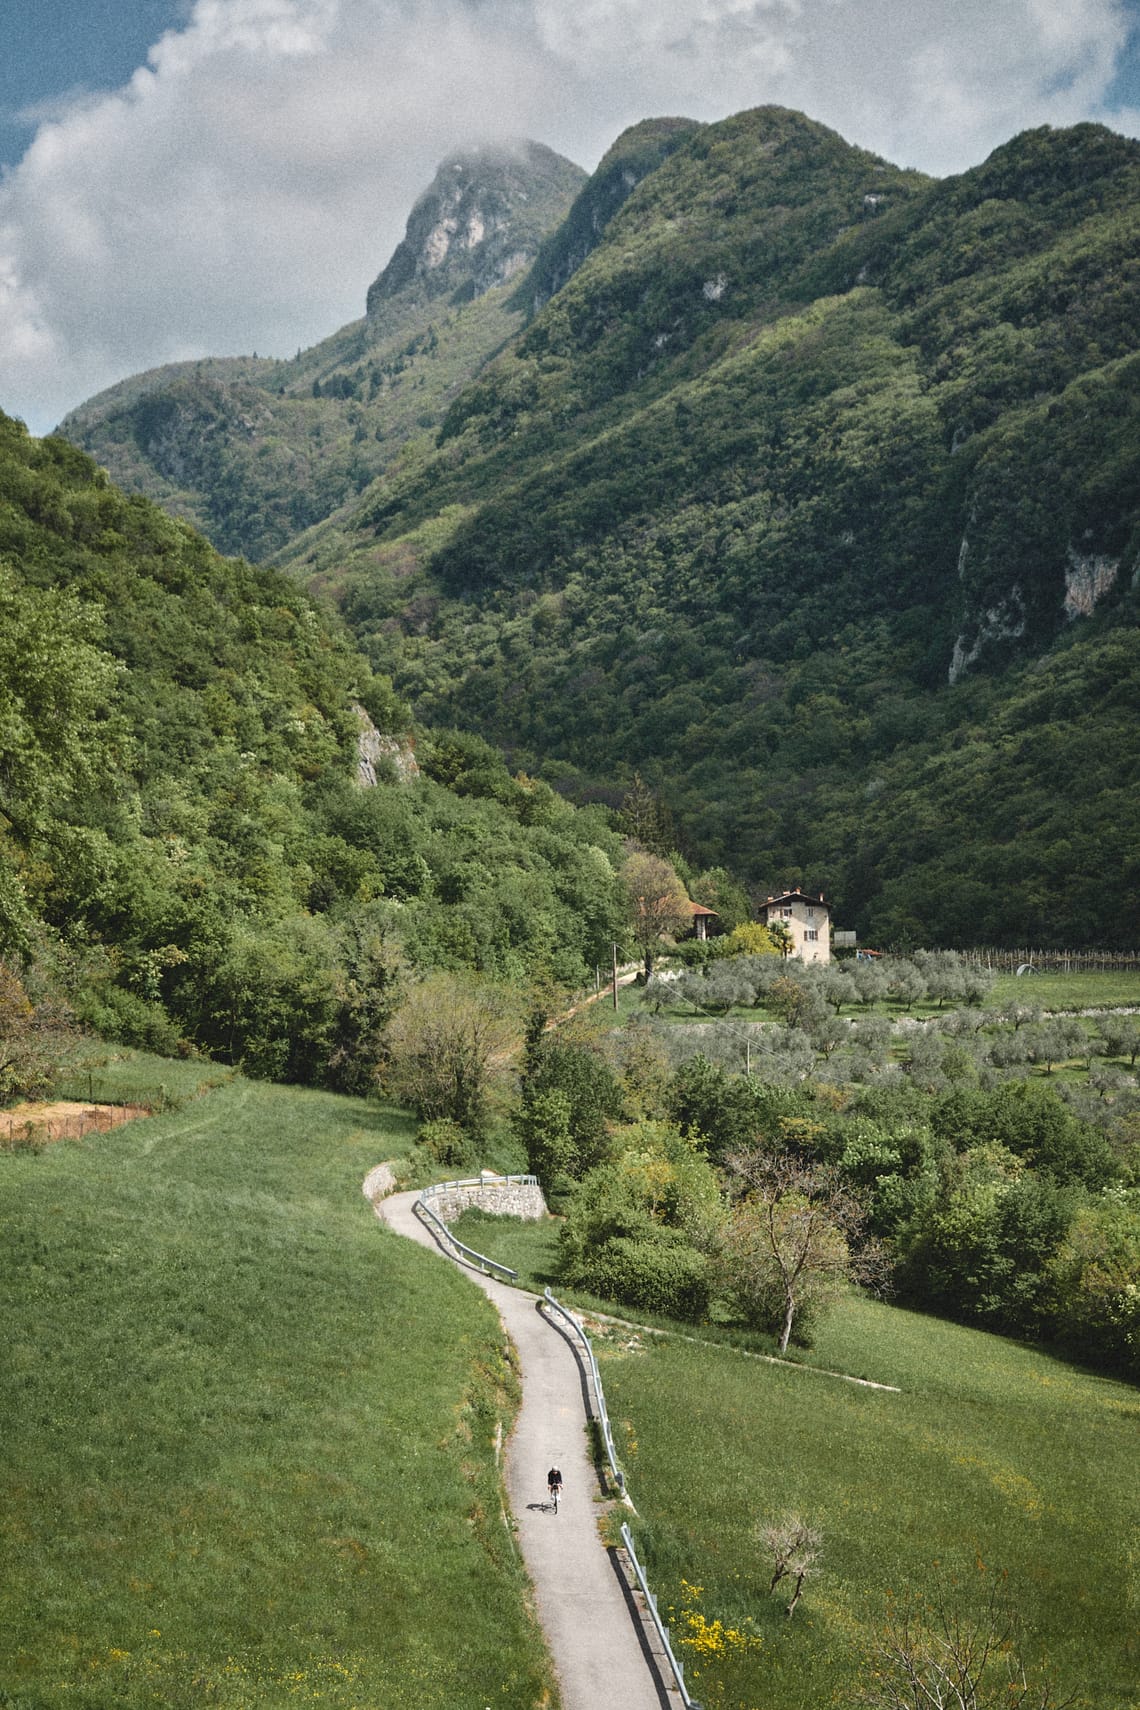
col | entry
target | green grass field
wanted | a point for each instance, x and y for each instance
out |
(992, 1454)
(248, 1433)
(248, 1447)
(1053, 992)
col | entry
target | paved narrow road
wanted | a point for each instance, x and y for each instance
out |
(594, 1634)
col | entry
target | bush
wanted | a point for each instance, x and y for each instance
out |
(446, 1144)
(662, 1274)
(130, 1020)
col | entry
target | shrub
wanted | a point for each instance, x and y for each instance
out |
(447, 1145)
(661, 1274)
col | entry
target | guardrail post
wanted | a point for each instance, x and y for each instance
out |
(662, 1630)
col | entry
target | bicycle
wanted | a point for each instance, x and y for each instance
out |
(555, 1492)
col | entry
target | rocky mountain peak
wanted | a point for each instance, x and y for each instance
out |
(479, 223)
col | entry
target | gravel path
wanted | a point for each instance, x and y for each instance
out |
(593, 1626)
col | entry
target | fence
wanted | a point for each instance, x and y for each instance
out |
(18, 1129)
(446, 1190)
(484, 1263)
(1057, 961)
(662, 1629)
(603, 1412)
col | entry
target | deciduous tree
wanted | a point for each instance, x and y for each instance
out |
(452, 1038)
(790, 1243)
(658, 905)
(795, 1548)
(954, 1650)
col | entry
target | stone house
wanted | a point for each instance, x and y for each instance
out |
(704, 920)
(808, 920)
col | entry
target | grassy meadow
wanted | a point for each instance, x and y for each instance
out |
(992, 1460)
(248, 1433)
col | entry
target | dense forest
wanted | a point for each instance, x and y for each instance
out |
(810, 493)
(186, 854)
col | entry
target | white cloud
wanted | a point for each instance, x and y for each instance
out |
(247, 184)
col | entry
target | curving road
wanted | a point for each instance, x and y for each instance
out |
(595, 1631)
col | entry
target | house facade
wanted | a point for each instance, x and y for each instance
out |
(808, 921)
(704, 921)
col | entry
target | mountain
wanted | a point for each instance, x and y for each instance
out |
(213, 830)
(252, 451)
(811, 493)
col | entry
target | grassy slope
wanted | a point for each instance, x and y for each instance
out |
(993, 1453)
(247, 1432)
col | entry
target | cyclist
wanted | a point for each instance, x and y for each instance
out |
(554, 1484)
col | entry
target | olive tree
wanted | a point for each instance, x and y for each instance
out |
(795, 1548)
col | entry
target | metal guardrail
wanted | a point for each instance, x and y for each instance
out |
(619, 1478)
(662, 1630)
(487, 1179)
(437, 1188)
(603, 1412)
(575, 1324)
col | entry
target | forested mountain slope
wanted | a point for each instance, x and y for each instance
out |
(812, 493)
(185, 850)
(252, 451)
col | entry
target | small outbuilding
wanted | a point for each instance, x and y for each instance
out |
(704, 921)
(808, 922)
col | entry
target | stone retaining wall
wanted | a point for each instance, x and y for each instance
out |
(505, 1197)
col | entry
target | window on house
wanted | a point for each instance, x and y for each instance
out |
(787, 913)
(811, 934)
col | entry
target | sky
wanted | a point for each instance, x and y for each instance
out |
(181, 178)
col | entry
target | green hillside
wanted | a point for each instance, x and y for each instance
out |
(253, 451)
(186, 853)
(249, 1434)
(984, 1474)
(811, 495)
(249, 1448)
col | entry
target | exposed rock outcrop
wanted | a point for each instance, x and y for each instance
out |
(375, 750)
(479, 224)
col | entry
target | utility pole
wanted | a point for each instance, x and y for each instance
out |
(614, 947)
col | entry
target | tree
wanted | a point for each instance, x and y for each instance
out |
(57, 686)
(717, 889)
(781, 935)
(29, 1039)
(1121, 1037)
(640, 1225)
(445, 1047)
(798, 1003)
(644, 817)
(790, 1245)
(752, 938)
(795, 1548)
(569, 1096)
(657, 903)
(953, 1652)
(1097, 1281)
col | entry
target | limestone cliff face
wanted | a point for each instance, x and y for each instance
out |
(478, 225)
